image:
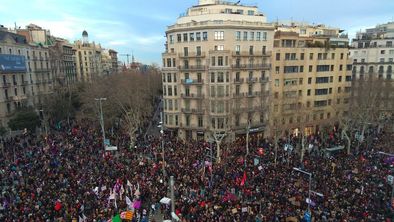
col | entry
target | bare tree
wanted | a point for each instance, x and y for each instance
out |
(370, 99)
(130, 98)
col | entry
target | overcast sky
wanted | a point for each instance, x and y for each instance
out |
(138, 26)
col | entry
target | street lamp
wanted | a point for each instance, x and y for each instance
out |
(162, 141)
(310, 180)
(101, 117)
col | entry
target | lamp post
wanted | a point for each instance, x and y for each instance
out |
(247, 138)
(44, 121)
(162, 142)
(310, 180)
(101, 117)
(172, 195)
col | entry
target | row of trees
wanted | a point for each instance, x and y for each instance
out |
(130, 99)
(371, 106)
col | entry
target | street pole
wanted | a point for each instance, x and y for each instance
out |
(162, 142)
(172, 195)
(247, 138)
(309, 193)
(102, 117)
(211, 163)
(310, 183)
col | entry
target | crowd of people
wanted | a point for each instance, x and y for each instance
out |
(67, 176)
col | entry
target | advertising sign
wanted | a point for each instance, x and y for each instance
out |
(12, 63)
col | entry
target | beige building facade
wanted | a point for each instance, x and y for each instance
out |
(26, 77)
(310, 81)
(88, 59)
(216, 69)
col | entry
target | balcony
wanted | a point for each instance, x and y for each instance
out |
(24, 83)
(41, 70)
(187, 111)
(192, 68)
(192, 81)
(251, 80)
(169, 68)
(248, 54)
(250, 66)
(239, 81)
(6, 84)
(192, 96)
(192, 55)
(263, 79)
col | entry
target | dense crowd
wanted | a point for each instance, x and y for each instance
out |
(67, 176)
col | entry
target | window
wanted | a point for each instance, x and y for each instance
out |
(200, 121)
(251, 36)
(277, 56)
(220, 77)
(250, 12)
(340, 79)
(265, 36)
(240, 11)
(276, 82)
(245, 36)
(169, 91)
(310, 80)
(320, 103)
(302, 56)
(213, 60)
(171, 37)
(220, 60)
(290, 69)
(212, 77)
(198, 36)
(185, 37)
(205, 36)
(198, 49)
(382, 52)
(277, 69)
(237, 49)
(323, 68)
(191, 37)
(173, 62)
(310, 68)
(219, 35)
(169, 77)
(219, 47)
(301, 68)
(321, 92)
(237, 35)
(186, 51)
(341, 55)
(311, 56)
(251, 50)
(258, 36)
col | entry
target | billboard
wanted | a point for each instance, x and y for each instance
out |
(12, 63)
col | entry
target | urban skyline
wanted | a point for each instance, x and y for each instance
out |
(117, 25)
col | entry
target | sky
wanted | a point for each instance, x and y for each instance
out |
(138, 26)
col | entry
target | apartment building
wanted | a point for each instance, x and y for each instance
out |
(216, 68)
(109, 60)
(372, 54)
(25, 71)
(310, 79)
(62, 56)
(87, 59)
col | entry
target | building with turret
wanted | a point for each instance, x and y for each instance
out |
(87, 59)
